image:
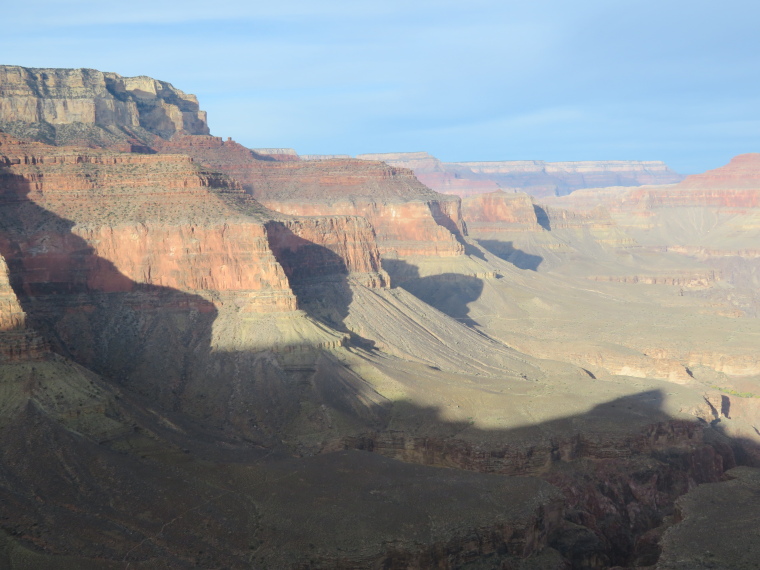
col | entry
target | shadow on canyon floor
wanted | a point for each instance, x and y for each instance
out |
(157, 341)
(128, 499)
(318, 277)
(506, 251)
(450, 293)
(619, 467)
(542, 217)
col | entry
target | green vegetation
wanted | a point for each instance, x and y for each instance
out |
(736, 392)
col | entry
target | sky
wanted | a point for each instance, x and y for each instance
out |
(552, 80)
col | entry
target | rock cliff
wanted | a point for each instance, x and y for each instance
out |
(408, 217)
(17, 341)
(104, 221)
(90, 107)
(500, 209)
(735, 186)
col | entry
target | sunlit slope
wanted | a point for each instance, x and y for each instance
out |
(633, 328)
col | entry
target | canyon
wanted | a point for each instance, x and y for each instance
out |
(535, 177)
(215, 356)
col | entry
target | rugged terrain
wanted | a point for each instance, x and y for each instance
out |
(408, 217)
(89, 107)
(534, 177)
(219, 357)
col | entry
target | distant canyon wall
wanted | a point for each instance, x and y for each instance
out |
(536, 177)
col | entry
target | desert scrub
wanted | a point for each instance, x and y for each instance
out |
(736, 392)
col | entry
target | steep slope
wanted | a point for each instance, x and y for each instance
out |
(17, 341)
(93, 108)
(408, 217)
(114, 255)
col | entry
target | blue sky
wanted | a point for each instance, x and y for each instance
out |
(490, 80)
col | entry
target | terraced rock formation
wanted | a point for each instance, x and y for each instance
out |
(408, 218)
(534, 177)
(90, 107)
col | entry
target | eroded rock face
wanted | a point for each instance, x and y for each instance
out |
(618, 490)
(408, 218)
(55, 100)
(318, 247)
(501, 209)
(105, 221)
(17, 342)
(714, 523)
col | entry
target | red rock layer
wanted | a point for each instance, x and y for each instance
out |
(102, 221)
(734, 186)
(404, 228)
(500, 210)
(328, 246)
(17, 342)
(408, 217)
(742, 172)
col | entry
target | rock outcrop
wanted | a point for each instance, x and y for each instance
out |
(408, 218)
(105, 221)
(731, 507)
(93, 108)
(17, 341)
(500, 209)
(735, 186)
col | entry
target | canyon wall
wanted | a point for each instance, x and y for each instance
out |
(17, 341)
(735, 186)
(90, 106)
(105, 221)
(408, 218)
(535, 177)
(500, 209)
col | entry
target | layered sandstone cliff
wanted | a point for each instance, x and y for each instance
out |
(408, 217)
(500, 210)
(87, 106)
(96, 109)
(105, 221)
